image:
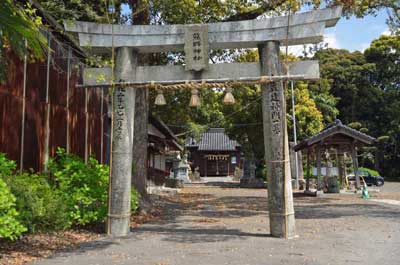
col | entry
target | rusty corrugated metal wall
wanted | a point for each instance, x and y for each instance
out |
(11, 100)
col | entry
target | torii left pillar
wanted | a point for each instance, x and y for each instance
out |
(119, 206)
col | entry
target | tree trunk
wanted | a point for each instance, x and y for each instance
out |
(140, 140)
(141, 16)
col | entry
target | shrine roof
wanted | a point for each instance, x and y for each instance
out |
(159, 129)
(334, 129)
(215, 139)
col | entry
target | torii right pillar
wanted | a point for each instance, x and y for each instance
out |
(280, 197)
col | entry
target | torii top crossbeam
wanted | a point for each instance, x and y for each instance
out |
(302, 28)
(307, 27)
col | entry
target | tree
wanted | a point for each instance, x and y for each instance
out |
(367, 87)
(19, 24)
(84, 10)
(385, 54)
(348, 75)
(308, 117)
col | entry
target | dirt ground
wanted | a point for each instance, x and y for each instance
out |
(213, 225)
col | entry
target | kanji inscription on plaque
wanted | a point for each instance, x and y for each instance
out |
(196, 48)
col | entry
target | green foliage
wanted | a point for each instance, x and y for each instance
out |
(88, 10)
(367, 86)
(135, 198)
(77, 195)
(17, 25)
(261, 172)
(40, 207)
(82, 187)
(7, 167)
(320, 92)
(355, 125)
(10, 227)
(385, 53)
(309, 119)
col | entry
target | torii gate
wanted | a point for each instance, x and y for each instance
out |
(195, 40)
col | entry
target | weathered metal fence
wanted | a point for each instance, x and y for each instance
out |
(42, 109)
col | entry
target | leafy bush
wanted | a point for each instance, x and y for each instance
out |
(10, 227)
(40, 207)
(261, 172)
(135, 197)
(83, 187)
(77, 195)
(7, 167)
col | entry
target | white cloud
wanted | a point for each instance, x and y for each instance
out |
(298, 50)
(331, 40)
(386, 32)
(364, 46)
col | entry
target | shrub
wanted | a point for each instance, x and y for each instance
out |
(83, 187)
(135, 197)
(10, 227)
(40, 207)
(7, 167)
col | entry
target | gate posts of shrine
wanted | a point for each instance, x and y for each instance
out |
(266, 34)
(118, 218)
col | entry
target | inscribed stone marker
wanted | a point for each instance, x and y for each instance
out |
(196, 47)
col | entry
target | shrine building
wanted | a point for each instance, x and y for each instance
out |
(215, 154)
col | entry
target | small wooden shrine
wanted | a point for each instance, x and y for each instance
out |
(336, 138)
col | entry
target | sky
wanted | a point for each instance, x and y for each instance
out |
(356, 33)
(353, 33)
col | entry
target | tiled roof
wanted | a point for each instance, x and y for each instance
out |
(214, 139)
(335, 128)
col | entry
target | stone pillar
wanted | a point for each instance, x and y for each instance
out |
(119, 206)
(280, 198)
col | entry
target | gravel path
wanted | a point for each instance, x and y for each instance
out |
(211, 225)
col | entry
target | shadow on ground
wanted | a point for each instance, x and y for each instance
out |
(207, 208)
(178, 234)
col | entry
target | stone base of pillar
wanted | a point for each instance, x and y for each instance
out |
(283, 226)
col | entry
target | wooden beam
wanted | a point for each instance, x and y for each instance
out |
(355, 164)
(319, 183)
